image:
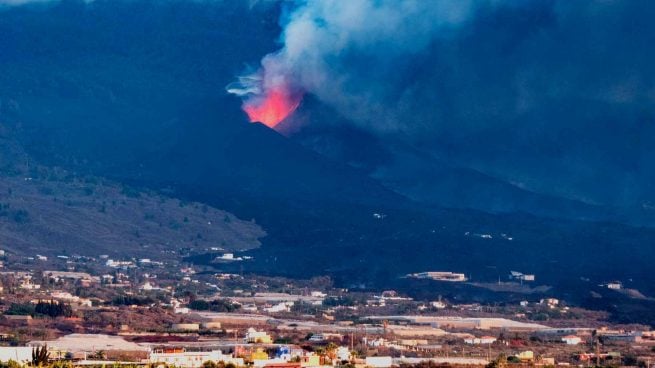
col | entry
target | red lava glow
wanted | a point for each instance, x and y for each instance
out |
(274, 107)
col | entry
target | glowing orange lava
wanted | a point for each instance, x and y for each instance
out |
(275, 106)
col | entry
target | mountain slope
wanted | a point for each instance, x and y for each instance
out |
(133, 91)
(56, 213)
(433, 179)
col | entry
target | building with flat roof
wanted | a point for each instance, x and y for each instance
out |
(89, 343)
(440, 276)
(191, 359)
(20, 354)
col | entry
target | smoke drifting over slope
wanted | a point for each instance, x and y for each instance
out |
(320, 36)
(554, 96)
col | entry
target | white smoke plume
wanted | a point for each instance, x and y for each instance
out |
(320, 37)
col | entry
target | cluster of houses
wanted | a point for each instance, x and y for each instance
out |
(256, 351)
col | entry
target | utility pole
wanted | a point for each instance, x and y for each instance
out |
(597, 342)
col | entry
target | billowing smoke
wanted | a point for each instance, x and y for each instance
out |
(507, 88)
(319, 37)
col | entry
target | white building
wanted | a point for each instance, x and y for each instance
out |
(379, 362)
(89, 343)
(571, 340)
(118, 264)
(73, 299)
(438, 304)
(343, 353)
(257, 337)
(550, 302)
(280, 307)
(192, 359)
(440, 276)
(20, 354)
(249, 308)
(515, 275)
(317, 337)
(28, 285)
(616, 285)
(181, 310)
(480, 340)
(228, 257)
(377, 342)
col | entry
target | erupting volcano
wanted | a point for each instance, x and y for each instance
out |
(271, 93)
(273, 107)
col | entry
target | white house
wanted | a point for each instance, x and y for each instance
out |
(28, 285)
(254, 337)
(66, 296)
(550, 302)
(438, 304)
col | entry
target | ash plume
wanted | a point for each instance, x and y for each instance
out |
(320, 36)
(507, 88)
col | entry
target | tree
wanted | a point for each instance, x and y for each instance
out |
(500, 362)
(53, 309)
(100, 355)
(40, 356)
(20, 309)
(331, 350)
(513, 359)
(218, 305)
